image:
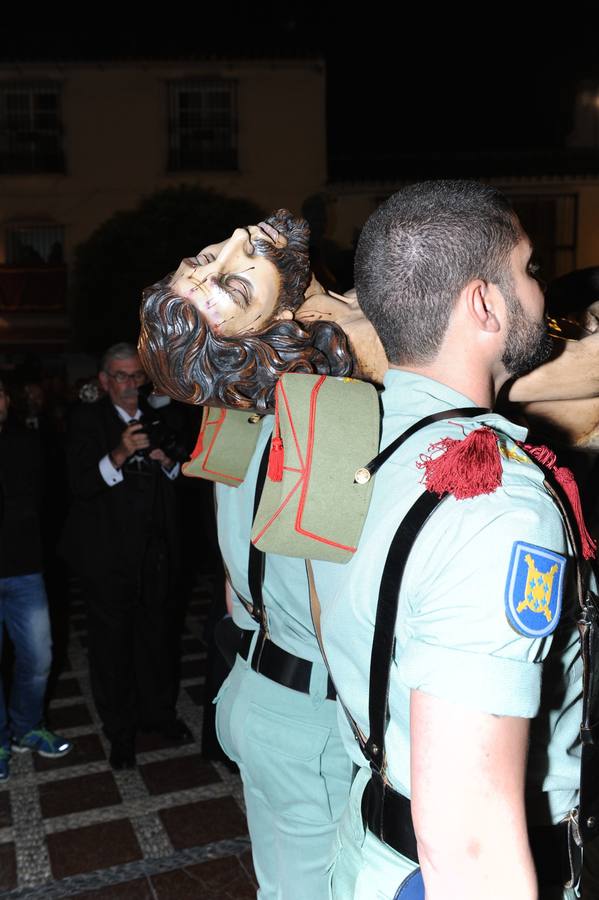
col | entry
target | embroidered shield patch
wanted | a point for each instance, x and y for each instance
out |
(534, 589)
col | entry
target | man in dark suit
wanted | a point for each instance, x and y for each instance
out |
(121, 538)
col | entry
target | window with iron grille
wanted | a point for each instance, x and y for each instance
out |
(30, 129)
(34, 245)
(202, 124)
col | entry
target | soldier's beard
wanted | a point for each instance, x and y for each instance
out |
(528, 343)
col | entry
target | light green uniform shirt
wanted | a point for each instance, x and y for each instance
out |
(453, 637)
(285, 587)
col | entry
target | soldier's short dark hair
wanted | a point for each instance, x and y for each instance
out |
(419, 250)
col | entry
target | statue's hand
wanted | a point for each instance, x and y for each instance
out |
(314, 288)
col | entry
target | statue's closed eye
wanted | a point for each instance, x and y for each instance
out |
(238, 288)
(205, 257)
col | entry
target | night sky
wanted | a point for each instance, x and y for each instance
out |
(501, 78)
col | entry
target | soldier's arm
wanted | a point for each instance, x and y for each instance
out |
(467, 776)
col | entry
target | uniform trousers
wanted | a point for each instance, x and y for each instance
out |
(367, 869)
(295, 774)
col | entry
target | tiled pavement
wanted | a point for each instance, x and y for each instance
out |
(172, 829)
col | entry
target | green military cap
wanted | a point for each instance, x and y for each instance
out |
(317, 491)
(225, 445)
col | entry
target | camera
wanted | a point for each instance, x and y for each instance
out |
(162, 437)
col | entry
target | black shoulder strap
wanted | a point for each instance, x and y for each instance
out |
(384, 629)
(255, 556)
(388, 600)
(373, 747)
(465, 412)
(587, 815)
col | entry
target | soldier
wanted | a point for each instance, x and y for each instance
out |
(216, 333)
(276, 713)
(469, 750)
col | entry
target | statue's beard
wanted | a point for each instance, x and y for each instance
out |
(189, 362)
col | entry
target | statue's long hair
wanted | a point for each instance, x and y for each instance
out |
(189, 362)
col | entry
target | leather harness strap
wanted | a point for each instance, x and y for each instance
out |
(255, 556)
(384, 629)
(268, 658)
(277, 664)
(461, 412)
(586, 821)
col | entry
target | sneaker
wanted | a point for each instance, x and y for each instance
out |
(42, 741)
(4, 763)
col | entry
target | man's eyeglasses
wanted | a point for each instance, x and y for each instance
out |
(122, 377)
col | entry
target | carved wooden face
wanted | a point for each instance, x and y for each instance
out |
(233, 285)
(190, 362)
(221, 330)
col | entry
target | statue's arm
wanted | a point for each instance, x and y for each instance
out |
(572, 375)
(572, 422)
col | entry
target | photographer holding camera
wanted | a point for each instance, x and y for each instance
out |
(121, 538)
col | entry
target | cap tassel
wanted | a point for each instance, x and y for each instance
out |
(565, 478)
(276, 455)
(464, 468)
(276, 458)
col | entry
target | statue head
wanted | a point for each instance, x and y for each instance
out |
(221, 330)
(255, 277)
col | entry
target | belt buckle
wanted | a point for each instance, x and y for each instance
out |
(574, 842)
(258, 650)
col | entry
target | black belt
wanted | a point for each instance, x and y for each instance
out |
(275, 663)
(388, 815)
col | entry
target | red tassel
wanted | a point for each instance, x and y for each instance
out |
(465, 468)
(276, 458)
(566, 479)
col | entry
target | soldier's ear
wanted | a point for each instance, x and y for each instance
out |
(481, 305)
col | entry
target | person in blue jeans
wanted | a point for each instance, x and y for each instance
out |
(23, 601)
